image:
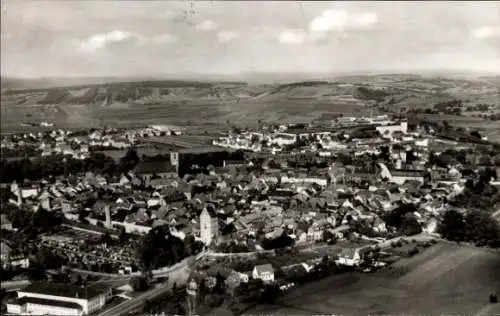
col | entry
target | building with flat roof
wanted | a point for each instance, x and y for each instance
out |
(58, 299)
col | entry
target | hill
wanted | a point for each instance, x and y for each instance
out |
(87, 102)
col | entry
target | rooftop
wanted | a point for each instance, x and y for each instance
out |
(40, 301)
(263, 268)
(64, 290)
(153, 167)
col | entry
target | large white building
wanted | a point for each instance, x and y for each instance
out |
(283, 139)
(58, 299)
(387, 130)
(209, 227)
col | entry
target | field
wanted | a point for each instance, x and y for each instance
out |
(491, 129)
(444, 279)
(187, 114)
(190, 104)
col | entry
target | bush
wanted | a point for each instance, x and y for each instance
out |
(214, 300)
(493, 298)
(138, 283)
(413, 251)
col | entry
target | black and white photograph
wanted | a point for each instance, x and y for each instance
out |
(213, 158)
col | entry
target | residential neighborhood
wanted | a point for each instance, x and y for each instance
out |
(327, 196)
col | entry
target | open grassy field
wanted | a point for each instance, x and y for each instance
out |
(444, 279)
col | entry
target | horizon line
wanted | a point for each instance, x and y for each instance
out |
(179, 76)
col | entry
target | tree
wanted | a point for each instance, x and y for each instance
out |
(160, 248)
(138, 283)
(493, 298)
(189, 245)
(106, 239)
(395, 217)
(452, 226)
(130, 159)
(475, 134)
(481, 228)
(279, 242)
(410, 225)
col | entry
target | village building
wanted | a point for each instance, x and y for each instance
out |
(264, 272)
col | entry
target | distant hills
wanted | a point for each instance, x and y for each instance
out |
(97, 101)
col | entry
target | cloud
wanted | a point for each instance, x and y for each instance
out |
(207, 25)
(486, 32)
(328, 20)
(164, 39)
(100, 41)
(294, 36)
(341, 20)
(225, 36)
(365, 19)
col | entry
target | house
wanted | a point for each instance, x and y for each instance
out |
(400, 176)
(349, 257)
(379, 225)
(209, 226)
(58, 299)
(315, 232)
(265, 272)
(280, 195)
(5, 251)
(15, 262)
(243, 277)
(234, 163)
(5, 223)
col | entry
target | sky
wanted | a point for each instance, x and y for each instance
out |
(167, 38)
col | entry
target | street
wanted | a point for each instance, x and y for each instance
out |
(178, 276)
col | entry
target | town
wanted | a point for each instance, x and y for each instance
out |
(111, 221)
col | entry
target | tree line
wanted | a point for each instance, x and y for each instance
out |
(160, 248)
(59, 165)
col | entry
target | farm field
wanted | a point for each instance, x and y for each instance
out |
(491, 129)
(187, 114)
(444, 279)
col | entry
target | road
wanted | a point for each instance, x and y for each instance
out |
(177, 274)
(387, 243)
(179, 277)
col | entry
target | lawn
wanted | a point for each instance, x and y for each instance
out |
(445, 278)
